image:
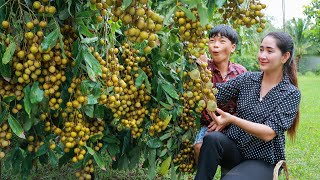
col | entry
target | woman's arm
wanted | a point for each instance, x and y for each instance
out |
(260, 131)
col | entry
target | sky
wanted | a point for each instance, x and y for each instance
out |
(293, 8)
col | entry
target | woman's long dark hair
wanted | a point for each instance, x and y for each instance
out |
(285, 43)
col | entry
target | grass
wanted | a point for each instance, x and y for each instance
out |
(303, 155)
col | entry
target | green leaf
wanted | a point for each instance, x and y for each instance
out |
(50, 40)
(123, 162)
(52, 158)
(111, 140)
(89, 40)
(95, 138)
(165, 136)
(169, 143)
(92, 64)
(97, 158)
(28, 122)
(126, 3)
(36, 94)
(152, 171)
(142, 77)
(211, 9)
(3, 115)
(84, 14)
(173, 172)
(203, 14)
(26, 166)
(163, 114)
(7, 56)
(9, 99)
(99, 111)
(16, 127)
(5, 70)
(169, 99)
(65, 158)
(168, 16)
(26, 100)
(92, 99)
(189, 14)
(165, 165)
(89, 109)
(90, 150)
(152, 163)
(64, 14)
(165, 105)
(113, 149)
(163, 152)
(191, 3)
(85, 31)
(99, 161)
(154, 143)
(43, 149)
(220, 3)
(170, 89)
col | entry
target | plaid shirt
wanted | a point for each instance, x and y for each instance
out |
(233, 71)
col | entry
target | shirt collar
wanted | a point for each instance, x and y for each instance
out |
(282, 84)
(230, 67)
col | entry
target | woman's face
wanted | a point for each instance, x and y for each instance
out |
(270, 56)
(220, 48)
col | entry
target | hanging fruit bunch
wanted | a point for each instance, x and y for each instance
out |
(198, 95)
(140, 21)
(244, 13)
(185, 158)
(191, 32)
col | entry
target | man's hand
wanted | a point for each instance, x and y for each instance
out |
(202, 59)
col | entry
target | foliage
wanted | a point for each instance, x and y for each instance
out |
(312, 12)
(100, 84)
(297, 29)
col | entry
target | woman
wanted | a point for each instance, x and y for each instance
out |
(267, 106)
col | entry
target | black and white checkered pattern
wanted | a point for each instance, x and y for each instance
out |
(277, 109)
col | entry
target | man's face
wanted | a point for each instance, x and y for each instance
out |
(220, 48)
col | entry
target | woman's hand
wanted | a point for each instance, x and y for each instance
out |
(214, 127)
(223, 120)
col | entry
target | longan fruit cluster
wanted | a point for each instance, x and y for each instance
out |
(5, 136)
(54, 66)
(134, 99)
(142, 22)
(126, 101)
(185, 158)
(85, 173)
(34, 143)
(192, 32)
(11, 89)
(198, 89)
(102, 6)
(158, 124)
(44, 7)
(244, 13)
(76, 131)
(77, 99)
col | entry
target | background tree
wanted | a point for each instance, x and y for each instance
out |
(313, 33)
(297, 28)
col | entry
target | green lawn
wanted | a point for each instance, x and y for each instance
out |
(303, 154)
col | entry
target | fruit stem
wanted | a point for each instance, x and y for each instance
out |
(5, 4)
